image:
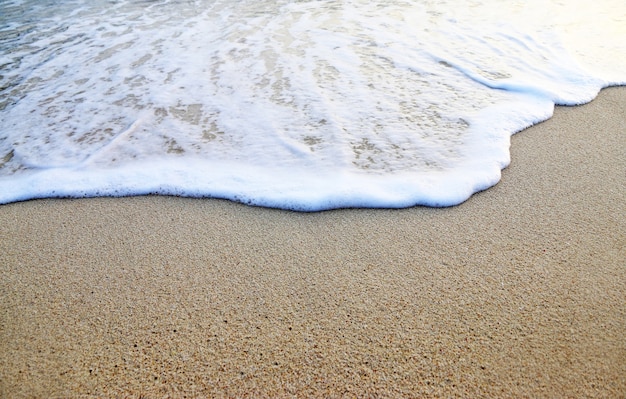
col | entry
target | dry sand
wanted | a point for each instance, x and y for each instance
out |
(519, 292)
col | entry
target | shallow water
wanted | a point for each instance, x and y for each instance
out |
(303, 105)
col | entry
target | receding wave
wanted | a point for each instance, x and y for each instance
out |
(303, 105)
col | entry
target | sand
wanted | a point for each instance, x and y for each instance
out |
(519, 292)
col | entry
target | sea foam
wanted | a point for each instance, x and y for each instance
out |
(303, 105)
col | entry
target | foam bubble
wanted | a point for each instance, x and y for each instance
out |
(302, 105)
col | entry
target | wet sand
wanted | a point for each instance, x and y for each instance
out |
(519, 292)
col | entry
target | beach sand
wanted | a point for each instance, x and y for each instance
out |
(519, 292)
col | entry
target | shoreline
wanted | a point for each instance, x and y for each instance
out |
(517, 292)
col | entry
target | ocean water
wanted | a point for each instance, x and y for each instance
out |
(303, 105)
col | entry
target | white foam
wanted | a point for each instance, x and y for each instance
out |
(301, 105)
